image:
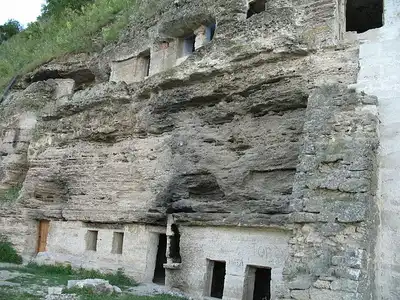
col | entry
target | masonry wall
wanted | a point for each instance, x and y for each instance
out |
(238, 247)
(67, 244)
(379, 75)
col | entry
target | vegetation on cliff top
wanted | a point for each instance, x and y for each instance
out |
(69, 30)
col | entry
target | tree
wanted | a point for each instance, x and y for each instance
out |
(56, 7)
(8, 29)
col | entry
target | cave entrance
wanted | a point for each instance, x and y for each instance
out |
(216, 279)
(258, 283)
(363, 15)
(161, 259)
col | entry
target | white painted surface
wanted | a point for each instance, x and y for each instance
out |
(66, 243)
(380, 76)
(238, 247)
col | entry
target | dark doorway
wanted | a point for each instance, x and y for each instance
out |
(262, 284)
(256, 7)
(146, 59)
(218, 279)
(363, 15)
(159, 271)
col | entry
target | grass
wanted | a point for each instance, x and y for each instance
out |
(12, 294)
(96, 25)
(60, 274)
(88, 294)
(50, 275)
(7, 252)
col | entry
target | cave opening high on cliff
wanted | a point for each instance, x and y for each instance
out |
(363, 15)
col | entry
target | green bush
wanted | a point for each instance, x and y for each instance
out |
(11, 194)
(7, 252)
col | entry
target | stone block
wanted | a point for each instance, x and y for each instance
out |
(322, 284)
(302, 282)
(349, 273)
(322, 294)
(344, 285)
(54, 290)
(300, 294)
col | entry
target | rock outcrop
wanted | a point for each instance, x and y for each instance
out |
(256, 129)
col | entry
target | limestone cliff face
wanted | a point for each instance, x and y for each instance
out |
(218, 135)
(229, 137)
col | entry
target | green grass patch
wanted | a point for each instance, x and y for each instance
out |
(7, 252)
(60, 274)
(13, 294)
(11, 194)
(88, 294)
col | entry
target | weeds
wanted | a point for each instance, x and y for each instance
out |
(62, 273)
(12, 294)
(89, 294)
(7, 252)
(75, 31)
(11, 194)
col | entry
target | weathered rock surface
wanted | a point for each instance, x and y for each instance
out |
(257, 128)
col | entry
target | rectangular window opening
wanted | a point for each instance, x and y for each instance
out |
(91, 240)
(255, 7)
(145, 57)
(161, 259)
(188, 45)
(362, 15)
(218, 271)
(210, 32)
(258, 283)
(118, 242)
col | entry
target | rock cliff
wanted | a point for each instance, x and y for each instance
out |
(257, 129)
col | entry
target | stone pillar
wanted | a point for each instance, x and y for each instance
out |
(171, 267)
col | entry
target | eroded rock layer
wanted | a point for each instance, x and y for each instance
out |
(257, 128)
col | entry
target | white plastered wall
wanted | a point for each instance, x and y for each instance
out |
(66, 243)
(129, 70)
(238, 248)
(380, 76)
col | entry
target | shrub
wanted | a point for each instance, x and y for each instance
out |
(11, 194)
(7, 252)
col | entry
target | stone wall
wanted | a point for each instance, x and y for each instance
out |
(67, 243)
(333, 244)
(238, 248)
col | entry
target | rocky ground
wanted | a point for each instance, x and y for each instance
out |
(26, 283)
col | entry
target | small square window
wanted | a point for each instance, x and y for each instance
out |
(118, 242)
(91, 240)
(255, 7)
